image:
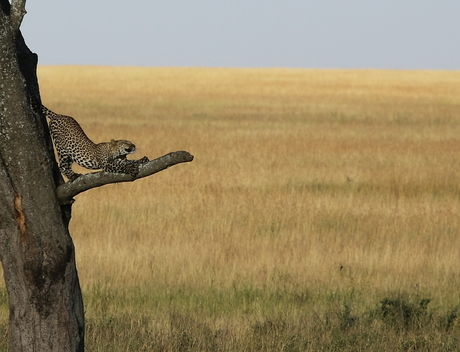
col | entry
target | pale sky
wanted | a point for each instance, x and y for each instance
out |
(387, 34)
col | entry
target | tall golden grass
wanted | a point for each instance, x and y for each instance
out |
(313, 183)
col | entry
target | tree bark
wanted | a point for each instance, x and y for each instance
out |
(37, 253)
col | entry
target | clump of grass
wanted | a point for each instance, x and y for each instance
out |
(449, 320)
(404, 314)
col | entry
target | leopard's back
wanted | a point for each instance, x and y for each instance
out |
(71, 141)
(73, 145)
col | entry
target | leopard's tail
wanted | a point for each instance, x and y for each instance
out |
(38, 108)
(48, 113)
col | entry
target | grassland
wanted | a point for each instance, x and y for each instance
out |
(320, 212)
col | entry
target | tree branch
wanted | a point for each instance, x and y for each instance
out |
(67, 191)
(18, 10)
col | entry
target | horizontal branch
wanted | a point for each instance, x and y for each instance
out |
(67, 191)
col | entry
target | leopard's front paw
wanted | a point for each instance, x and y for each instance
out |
(134, 171)
(143, 160)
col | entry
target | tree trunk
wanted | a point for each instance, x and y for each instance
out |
(37, 253)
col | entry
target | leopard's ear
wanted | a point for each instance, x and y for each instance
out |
(112, 141)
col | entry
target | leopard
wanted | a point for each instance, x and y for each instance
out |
(73, 145)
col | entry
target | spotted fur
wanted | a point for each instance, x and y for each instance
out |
(73, 145)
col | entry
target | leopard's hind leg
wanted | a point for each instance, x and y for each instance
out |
(65, 166)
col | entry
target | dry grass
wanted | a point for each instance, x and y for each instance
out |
(309, 188)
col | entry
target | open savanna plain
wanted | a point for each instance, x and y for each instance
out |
(321, 212)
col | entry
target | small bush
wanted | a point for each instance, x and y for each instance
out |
(403, 314)
(448, 321)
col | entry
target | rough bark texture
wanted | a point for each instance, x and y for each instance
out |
(37, 253)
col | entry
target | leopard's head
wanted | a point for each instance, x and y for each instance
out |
(122, 147)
